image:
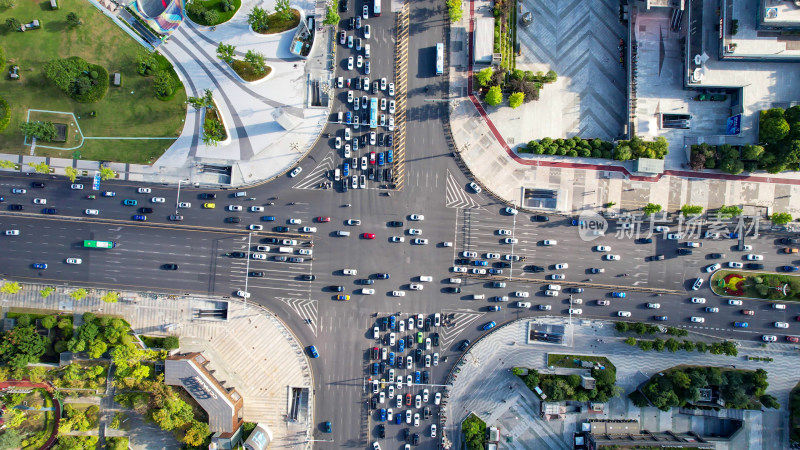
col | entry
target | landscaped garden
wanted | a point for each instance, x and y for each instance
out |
(212, 12)
(49, 81)
(738, 389)
(742, 283)
(568, 387)
(283, 19)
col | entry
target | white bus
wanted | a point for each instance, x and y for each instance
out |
(376, 8)
(373, 113)
(439, 58)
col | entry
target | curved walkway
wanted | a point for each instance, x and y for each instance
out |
(56, 404)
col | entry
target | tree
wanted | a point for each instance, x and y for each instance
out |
(623, 153)
(494, 96)
(484, 77)
(256, 60)
(258, 19)
(773, 129)
(163, 84)
(516, 99)
(13, 418)
(208, 98)
(43, 131)
(631, 341)
(73, 20)
(46, 292)
(781, 218)
(196, 433)
(49, 322)
(673, 345)
(729, 211)
(40, 167)
(71, 173)
(283, 10)
(213, 132)
(174, 414)
(690, 210)
(651, 208)
(770, 401)
(12, 24)
(146, 62)
(11, 439)
(97, 348)
(107, 173)
(76, 345)
(117, 443)
(11, 287)
(331, 16)
(645, 345)
(621, 326)
(78, 294)
(226, 52)
(196, 102)
(21, 346)
(454, 10)
(7, 4)
(211, 16)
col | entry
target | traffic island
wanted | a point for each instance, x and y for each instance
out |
(755, 285)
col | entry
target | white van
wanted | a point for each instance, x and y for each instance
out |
(425, 278)
(366, 51)
(340, 116)
(478, 296)
(342, 233)
(240, 194)
(285, 250)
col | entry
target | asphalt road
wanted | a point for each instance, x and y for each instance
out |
(342, 331)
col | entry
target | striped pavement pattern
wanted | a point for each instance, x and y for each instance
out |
(305, 308)
(461, 319)
(400, 93)
(456, 196)
(318, 174)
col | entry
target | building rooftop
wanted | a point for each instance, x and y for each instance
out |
(484, 40)
(779, 14)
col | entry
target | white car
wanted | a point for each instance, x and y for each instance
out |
(510, 240)
(511, 257)
(365, 291)
(437, 398)
(781, 325)
(338, 142)
(549, 242)
(712, 309)
(753, 257)
(734, 302)
(561, 266)
(234, 208)
(74, 261)
(295, 221)
(416, 419)
(391, 89)
(40, 201)
(258, 255)
(158, 200)
(398, 239)
(511, 211)
(454, 280)
(467, 254)
(558, 276)
(305, 251)
(414, 231)
(80, 186)
(612, 257)
(523, 304)
(696, 319)
(420, 241)
(713, 267)
(91, 212)
(189, 205)
(479, 271)
(350, 59)
(425, 278)
(12, 232)
(366, 29)
(359, 61)
(576, 311)
(256, 209)
(747, 247)
(700, 300)
(391, 107)
(416, 287)
(447, 244)
(352, 272)
(492, 256)
(623, 313)
(553, 287)
(654, 305)
(674, 236)
(603, 303)
(769, 338)
(503, 232)
(383, 84)
(383, 104)
(398, 294)
(391, 123)
(350, 95)
(140, 190)
(256, 227)
(602, 248)
(458, 269)
(693, 244)
(243, 294)
(347, 134)
(523, 294)
(417, 217)
(347, 150)
(309, 229)
(296, 172)
(661, 228)
(735, 265)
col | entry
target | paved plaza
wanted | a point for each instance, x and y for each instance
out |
(486, 387)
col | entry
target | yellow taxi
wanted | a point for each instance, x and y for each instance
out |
(209, 205)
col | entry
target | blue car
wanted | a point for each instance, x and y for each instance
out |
(489, 325)
(380, 158)
(40, 266)
(348, 118)
(391, 358)
(398, 418)
(366, 68)
(109, 194)
(383, 415)
(129, 202)
(496, 271)
(733, 235)
(790, 268)
(313, 351)
(346, 167)
(618, 294)
(740, 324)
(375, 369)
(49, 211)
(268, 218)
(328, 427)
(392, 322)
(576, 222)
(417, 377)
(480, 263)
(389, 153)
(382, 276)
(401, 345)
(140, 218)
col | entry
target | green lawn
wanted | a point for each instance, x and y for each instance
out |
(568, 361)
(128, 111)
(224, 16)
(277, 24)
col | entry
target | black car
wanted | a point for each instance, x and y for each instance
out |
(170, 267)
(464, 345)
(389, 140)
(658, 257)
(381, 431)
(15, 207)
(343, 5)
(684, 251)
(233, 220)
(281, 229)
(418, 355)
(415, 439)
(410, 342)
(426, 377)
(754, 266)
(380, 140)
(146, 210)
(426, 413)
(280, 258)
(462, 261)
(716, 255)
(385, 323)
(206, 196)
(789, 241)
(238, 254)
(309, 277)
(533, 268)
(504, 265)
(49, 211)
(395, 223)
(336, 288)
(366, 281)
(645, 240)
(453, 290)
(406, 433)
(37, 184)
(271, 241)
(175, 218)
(435, 339)
(374, 402)
(383, 366)
(382, 276)
(660, 318)
(256, 274)
(352, 23)
(541, 218)
(428, 323)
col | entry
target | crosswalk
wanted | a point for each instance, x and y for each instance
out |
(459, 321)
(456, 196)
(305, 308)
(318, 174)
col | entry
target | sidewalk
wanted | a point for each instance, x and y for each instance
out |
(581, 183)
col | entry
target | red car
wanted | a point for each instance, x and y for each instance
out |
(748, 312)
(792, 339)
(408, 399)
(372, 157)
(368, 236)
(323, 219)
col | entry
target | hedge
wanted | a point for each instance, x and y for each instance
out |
(99, 90)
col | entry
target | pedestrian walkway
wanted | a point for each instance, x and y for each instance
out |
(252, 351)
(585, 183)
(483, 384)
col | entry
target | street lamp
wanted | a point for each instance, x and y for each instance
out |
(178, 198)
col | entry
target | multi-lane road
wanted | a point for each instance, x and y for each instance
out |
(202, 244)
